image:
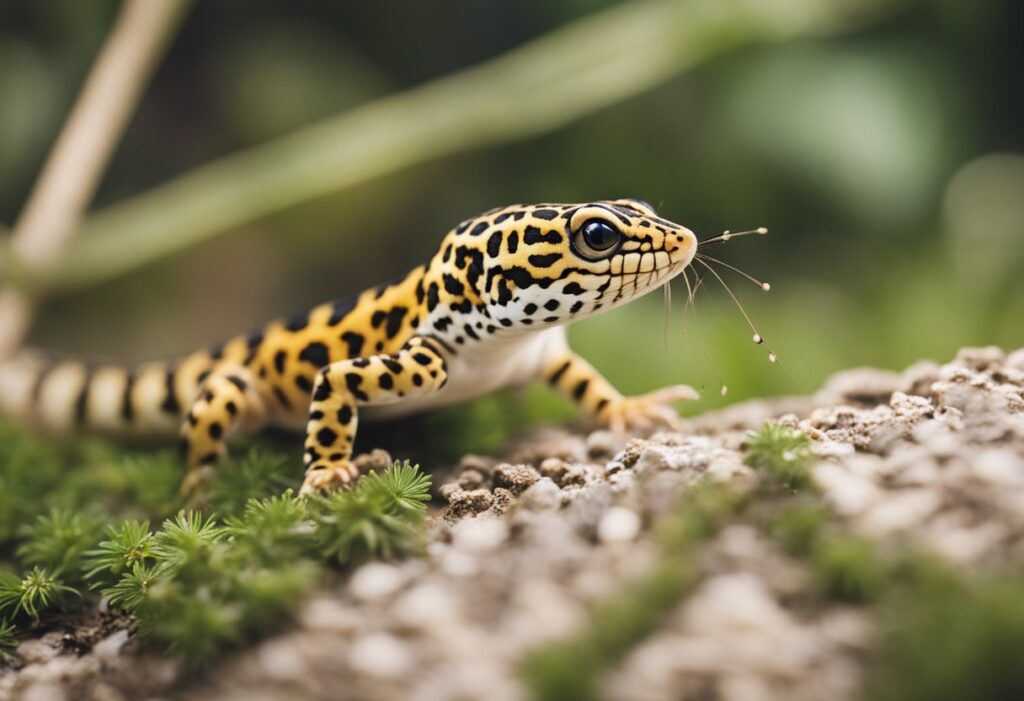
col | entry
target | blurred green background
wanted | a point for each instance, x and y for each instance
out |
(887, 160)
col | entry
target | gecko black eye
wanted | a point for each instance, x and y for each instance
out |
(597, 239)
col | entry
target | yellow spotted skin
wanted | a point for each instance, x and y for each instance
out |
(487, 311)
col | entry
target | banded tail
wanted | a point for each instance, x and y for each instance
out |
(66, 394)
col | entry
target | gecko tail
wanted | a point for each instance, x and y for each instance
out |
(62, 395)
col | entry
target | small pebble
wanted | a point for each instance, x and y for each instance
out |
(380, 655)
(618, 525)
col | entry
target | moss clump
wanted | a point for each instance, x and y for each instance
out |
(782, 456)
(848, 568)
(946, 639)
(204, 580)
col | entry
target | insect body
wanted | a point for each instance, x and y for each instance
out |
(487, 311)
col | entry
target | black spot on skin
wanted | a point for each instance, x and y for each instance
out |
(217, 352)
(518, 215)
(505, 322)
(238, 382)
(392, 365)
(297, 322)
(378, 318)
(502, 217)
(395, 317)
(602, 404)
(557, 374)
(192, 420)
(208, 459)
(479, 229)
(354, 341)
(576, 307)
(422, 358)
(530, 308)
(282, 398)
(263, 371)
(361, 362)
(513, 242)
(326, 437)
(417, 379)
(232, 408)
(340, 309)
(494, 244)
(353, 380)
(420, 292)
(462, 227)
(127, 407)
(336, 457)
(386, 381)
(216, 431)
(345, 415)
(443, 323)
(550, 319)
(208, 396)
(544, 261)
(528, 322)
(580, 389)
(491, 328)
(316, 415)
(323, 391)
(547, 214)
(201, 377)
(432, 296)
(551, 305)
(279, 358)
(315, 353)
(378, 346)
(533, 235)
(452, 285)
(446, 256)
(459, 340)
(573, 288)
(504, 294)
(254, 340)
(464, 307)
(304, 383)
(470, 332)
(170, 404)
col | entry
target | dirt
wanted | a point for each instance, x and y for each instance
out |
(530, 542)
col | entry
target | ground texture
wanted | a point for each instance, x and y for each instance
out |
(529, 545)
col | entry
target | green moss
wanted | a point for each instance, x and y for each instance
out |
(946, 639)
(781, 455)
(798, 527)
(848, 568)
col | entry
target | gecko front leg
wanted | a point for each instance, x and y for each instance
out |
(342, 387)
(579, 381)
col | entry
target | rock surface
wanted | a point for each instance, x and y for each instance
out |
(525, 546)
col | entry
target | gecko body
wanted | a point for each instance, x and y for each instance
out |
(487, 311)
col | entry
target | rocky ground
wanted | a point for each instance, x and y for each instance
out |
(530, 543)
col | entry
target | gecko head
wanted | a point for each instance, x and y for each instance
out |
(550, 264)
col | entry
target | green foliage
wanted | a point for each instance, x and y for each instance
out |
(127, 545)
(258, 474)
(37, 591)
(848, 568)
(781, 455)
(945, 638)
(382, 515)
(8, 641)
(58, 540)
(798, 527)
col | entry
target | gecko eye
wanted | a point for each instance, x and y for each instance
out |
(597, 239)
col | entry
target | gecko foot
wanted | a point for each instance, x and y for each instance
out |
(646, 411)
(322, 477)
